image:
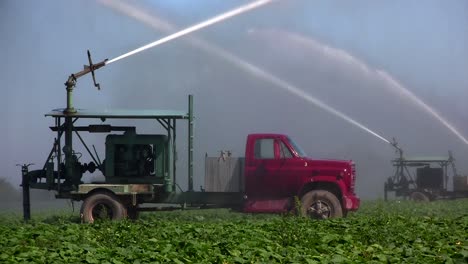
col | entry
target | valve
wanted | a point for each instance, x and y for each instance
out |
(24, 168)
(92, 67)
(71, 81)
(394, 144)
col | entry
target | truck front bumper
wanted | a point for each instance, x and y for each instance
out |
(351, 202)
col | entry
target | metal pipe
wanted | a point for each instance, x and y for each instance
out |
(162, 124)
(59, 152)
(190, 143)
(68, 149)
(170, 175)
(86, 147)
(70, 108)
(56, 142)
(175, 156)
(26, 198)
(71, 81)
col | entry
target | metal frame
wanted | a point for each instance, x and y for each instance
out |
(167, 119)
(64, 121)
(71, 115)
(403, 182)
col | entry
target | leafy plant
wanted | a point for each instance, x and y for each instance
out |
(380, 232)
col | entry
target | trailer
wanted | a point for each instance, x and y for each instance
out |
(138, 168)
(141, 168)
(425, 178)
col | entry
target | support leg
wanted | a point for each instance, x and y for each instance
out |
(26, 197)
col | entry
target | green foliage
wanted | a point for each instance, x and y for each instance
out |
(393, 232)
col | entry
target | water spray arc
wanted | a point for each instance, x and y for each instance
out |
(302, 94)
(251, 69)
(396, 87)
(408, 94)
(195, 27)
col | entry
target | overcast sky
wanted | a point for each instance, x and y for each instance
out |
(336, 51)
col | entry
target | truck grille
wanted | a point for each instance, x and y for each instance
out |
(353, 177)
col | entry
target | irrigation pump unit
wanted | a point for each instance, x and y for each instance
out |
(425, 178)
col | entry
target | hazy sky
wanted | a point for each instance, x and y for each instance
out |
(330, 49)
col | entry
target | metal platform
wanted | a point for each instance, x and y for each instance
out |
(121, 113)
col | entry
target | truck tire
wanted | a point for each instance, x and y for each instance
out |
(419, 197)
(102, 206)
(321, 204)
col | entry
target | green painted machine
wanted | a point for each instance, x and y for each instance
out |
(131, 158)
(137, 168)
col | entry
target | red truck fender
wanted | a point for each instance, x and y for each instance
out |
(328, 183)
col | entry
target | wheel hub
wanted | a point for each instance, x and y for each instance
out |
(319, 209)
(102, 211)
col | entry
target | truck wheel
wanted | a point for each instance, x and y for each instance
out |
(419, 197)
(102, 206)
(321, 204)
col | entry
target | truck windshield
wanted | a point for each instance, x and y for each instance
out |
(297, 148)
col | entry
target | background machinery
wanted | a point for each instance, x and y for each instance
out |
(425, 178)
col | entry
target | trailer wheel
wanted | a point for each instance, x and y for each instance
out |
(321, 204)
(102, 206)
(419, 197)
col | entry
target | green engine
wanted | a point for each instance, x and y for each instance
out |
(133, 158)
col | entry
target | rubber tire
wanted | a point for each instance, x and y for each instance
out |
(419, 197)
(325, 196)
(118, 210)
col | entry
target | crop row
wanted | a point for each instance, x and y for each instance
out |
(380, 232)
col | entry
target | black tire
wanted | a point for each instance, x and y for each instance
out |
(321, 204)
(102, 206)
(419, 197)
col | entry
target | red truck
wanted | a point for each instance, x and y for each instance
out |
(273, 177)
(277, 170)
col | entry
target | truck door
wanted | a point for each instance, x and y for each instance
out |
(288, 171)
(266, 178)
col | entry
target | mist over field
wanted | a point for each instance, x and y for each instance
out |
(352, 56)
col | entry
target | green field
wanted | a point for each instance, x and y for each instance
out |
(394, 232)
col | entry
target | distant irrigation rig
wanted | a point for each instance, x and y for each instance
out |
(425, 178)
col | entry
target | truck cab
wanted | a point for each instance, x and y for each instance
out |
(278, 173)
